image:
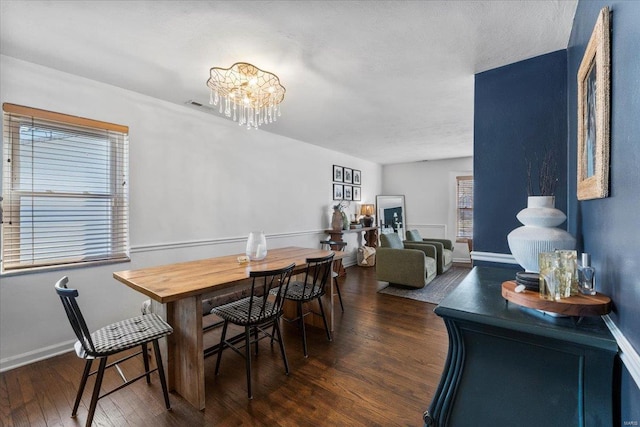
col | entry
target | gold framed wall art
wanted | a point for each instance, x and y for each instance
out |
(594, 83)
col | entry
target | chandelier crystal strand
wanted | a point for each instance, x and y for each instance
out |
(255, 94)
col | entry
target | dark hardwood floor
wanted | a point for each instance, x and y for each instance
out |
(381, 369)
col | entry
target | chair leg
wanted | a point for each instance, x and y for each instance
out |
(255, 337)
(96, 391)
(339, 295)
(221, 345)
(324, 319)
(273, 331)
(145, 357)
(247, 349)
(282, 351)
(304, 331)
(83, 383)
(163, 380)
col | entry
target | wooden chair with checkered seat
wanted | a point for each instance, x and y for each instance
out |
(110, 340)
(257, 313)
(316, 276)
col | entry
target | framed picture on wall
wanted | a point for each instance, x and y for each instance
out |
(356, 177)
(337, 173)
(337, 192)
(594, 85)
(356, 193)
(348, 175)
(348, 192)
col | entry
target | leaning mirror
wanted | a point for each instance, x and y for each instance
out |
(391, 214)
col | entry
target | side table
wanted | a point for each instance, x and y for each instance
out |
(370, 235)
(510, 365)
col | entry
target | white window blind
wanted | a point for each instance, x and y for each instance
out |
(465, 207)
(64, 188)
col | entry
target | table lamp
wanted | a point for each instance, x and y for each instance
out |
(367, 210)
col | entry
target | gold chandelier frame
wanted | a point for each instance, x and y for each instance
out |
(247, 94)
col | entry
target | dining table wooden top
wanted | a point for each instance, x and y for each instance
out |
(171, 282)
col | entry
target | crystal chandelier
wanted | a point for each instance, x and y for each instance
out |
(245, 92)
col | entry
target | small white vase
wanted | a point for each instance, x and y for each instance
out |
(539, 232)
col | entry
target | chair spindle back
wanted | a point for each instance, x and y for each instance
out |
(316, 275)
(262, 284)
(68, 297)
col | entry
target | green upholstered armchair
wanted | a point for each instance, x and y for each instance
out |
(444, 249)
(405, 263)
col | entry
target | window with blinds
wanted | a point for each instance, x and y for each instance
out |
(464, 197)
(64, 189)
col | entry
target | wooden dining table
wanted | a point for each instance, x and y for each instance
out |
(177, 291)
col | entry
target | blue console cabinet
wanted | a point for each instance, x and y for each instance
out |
(513, 366)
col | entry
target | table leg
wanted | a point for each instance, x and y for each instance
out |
(331, 309)
(371, 237)
(185, 358)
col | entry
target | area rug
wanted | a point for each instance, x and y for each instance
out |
(435, 291)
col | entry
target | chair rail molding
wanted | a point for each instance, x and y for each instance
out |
(435, 231)
(209, 242)
(627, 353)
(493, 257)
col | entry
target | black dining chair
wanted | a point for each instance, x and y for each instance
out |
(110, 340)
(257, 313)
(338, 246)
(316, 275)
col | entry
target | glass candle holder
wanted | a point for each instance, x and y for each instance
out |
(568, 274)
(548, 263)
(256, 246)
(558, 274)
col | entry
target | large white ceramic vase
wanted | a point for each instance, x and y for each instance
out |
(539, 232)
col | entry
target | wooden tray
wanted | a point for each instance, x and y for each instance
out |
(576, 305)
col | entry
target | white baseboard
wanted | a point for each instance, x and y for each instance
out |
(628, 354)
(43, 353)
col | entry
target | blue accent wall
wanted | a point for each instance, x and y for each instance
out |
(521, 106)
(519, 110)
(609, 228)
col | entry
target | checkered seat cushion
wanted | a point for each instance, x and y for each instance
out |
(297, 292)
(238, 311)
(127, 334)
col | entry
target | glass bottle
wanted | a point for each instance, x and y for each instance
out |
(587, 276)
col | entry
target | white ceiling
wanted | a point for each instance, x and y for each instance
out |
(387, 81)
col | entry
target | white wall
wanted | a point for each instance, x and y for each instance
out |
(198, 184)
(429, 188)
